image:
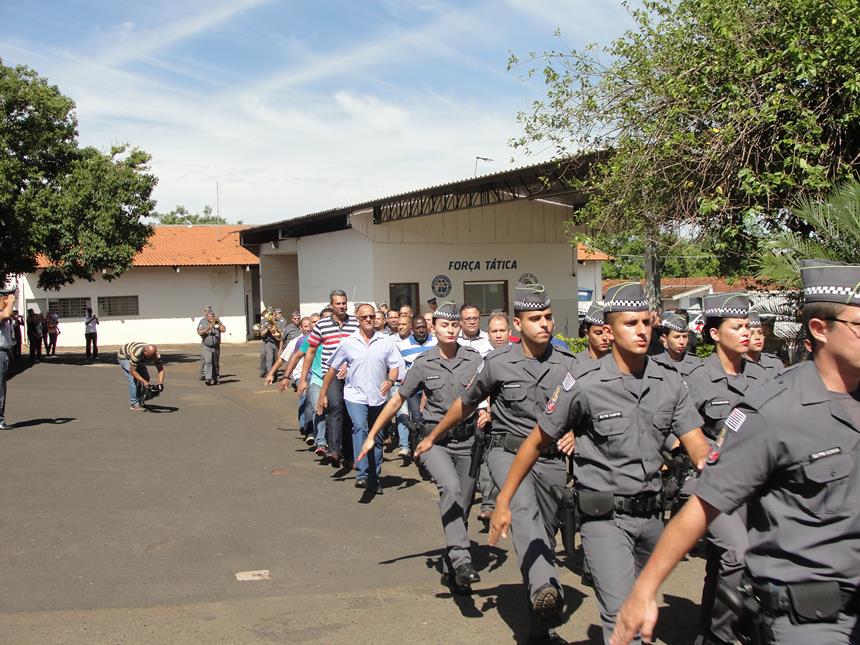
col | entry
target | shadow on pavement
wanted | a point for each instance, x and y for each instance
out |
(38, 422)
(160, 409)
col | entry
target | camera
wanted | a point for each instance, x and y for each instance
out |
(152, 391)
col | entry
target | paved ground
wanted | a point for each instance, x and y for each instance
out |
(123, 527)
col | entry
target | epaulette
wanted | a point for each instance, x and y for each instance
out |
(498, 351)
(581, 368)
(564, 350)
(760, 396)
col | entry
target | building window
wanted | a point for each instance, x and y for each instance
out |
(69, 307)
(487, 295)
(403, 293)
(118, 306)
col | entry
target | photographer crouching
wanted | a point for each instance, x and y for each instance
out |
(133, 359)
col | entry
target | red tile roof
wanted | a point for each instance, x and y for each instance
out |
(673, 286)
(585, 254)
(179, 245)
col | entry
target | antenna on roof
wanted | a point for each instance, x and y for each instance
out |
(217, 198)
(477, 159)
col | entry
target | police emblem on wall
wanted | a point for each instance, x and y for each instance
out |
(528, 278)
(441, 286)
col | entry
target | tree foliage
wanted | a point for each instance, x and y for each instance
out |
(714, 113)
(78, 207)
(681, 257)
(181, 215)
(833, 233)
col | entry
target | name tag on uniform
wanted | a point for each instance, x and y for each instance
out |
(815, 456)
(509, 386)
(432, 378)
(719, 402)
(608, 415)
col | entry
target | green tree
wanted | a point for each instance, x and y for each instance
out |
(681, 257)
(181, 215)
(714, 114)
(78, 207)
(832, 233)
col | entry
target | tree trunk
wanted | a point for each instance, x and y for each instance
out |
(653, 269)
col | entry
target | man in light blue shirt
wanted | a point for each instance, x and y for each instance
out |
(374, 364)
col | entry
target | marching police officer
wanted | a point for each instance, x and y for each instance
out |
(675, 337)
(599, 343)
(621, 409)
(440, 374)
(716, 386)
(210, 330)
(792, 455)
(771, 363)
(7, 304)
(519, 379)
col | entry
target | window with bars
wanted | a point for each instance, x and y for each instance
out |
(118, 306)
(69, 307)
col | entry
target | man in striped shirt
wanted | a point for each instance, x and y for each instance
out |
(326, 337)
(133, 359)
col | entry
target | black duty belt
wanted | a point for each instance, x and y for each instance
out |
(511, 443)
(460, 432)
(642, 505)
(805, 601)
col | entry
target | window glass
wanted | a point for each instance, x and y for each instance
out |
(486, 295)
(69, 307)
(403, 293)
(118, 306)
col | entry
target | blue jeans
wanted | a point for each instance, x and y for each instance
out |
(319, 421)
(363, 417)
(303, 411)
(135, 387)
(411, 409)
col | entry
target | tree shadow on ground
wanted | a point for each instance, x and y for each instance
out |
(46, 421)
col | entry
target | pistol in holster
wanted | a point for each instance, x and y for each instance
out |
(417, 431)
(567, 518)
(679, 469)
(479, 447)
(751, 626)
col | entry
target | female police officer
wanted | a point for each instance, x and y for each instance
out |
(441, 373)
(716, 386)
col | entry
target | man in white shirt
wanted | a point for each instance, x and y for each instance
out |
(91, 334)
(470, 330)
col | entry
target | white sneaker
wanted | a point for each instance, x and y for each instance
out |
(404, 453)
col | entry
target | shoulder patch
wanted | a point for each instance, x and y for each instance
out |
(550, 405)
(567, 383)
(735, 420)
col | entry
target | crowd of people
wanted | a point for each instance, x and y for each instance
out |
(512, 414)
(553, 439)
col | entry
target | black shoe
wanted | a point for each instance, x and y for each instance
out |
(548, 606)
(202, 378)
(208, 382)
(333, 458)
(449, 581)
(550, 638)
(465, 575)
(361, 482)
(214, 381)
(377, 489)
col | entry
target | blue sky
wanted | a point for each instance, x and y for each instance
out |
(293, 107)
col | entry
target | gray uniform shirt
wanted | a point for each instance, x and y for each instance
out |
(715, 393)
(687, 364)
(792, 457)
(620, 423)
(213, 338)
(441, 380)
(771, 364)
(518, 387)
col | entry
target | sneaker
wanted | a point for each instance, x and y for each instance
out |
(309, 440)
(137, 408)
(6, 426)
(320, 451)
(403, 453)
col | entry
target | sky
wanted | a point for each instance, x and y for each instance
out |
(288, 107)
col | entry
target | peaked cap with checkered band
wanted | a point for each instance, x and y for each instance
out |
(826, 281)
(726, 305)
(628, 296)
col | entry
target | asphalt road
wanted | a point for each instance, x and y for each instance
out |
(126, 527)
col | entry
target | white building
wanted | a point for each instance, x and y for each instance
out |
(469, 241)
(160, 299)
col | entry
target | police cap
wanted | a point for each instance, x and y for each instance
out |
(826, 281)
(447, 311)
(531, 297)
(726, 305)
(628, 296)
(674, 322)
(594, 315)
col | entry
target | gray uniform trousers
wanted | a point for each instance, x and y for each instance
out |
(846, 631)
(448, 465)
(534, 516)
(211, 357)
(268, 356)
(5, 360)
(616, 550)
(729, 542)
(489, 491)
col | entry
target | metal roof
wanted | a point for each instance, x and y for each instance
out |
(550, 180)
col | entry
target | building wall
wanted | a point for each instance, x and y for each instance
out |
(279, 281)
(339, 260)
(552, 264)
(170, 304)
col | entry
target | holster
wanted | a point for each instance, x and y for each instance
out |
(417, 431)
(479, 447)
(567, 517)
(752, 626)
(595, 505)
